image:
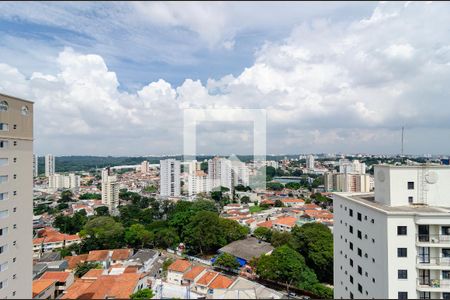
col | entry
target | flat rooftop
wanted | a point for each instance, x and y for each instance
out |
(368, 199)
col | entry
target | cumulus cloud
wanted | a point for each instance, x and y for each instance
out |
(329, 87)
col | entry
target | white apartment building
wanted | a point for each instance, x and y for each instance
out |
(58, 181)
(353, 167)
(197, 179)
(345, 182)
(110, 191)
(35, 165)
(145, 167)
(227, 173)
(49, 165)
(16, 197)
(310, 162)
(170, 180)
(394, 243)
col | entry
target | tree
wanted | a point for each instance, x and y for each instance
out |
(293, 185)
(279, 203)
(270, 173)
(83, 268)
(287, 266)
(274, 186)
(90, 196)
(71, 225)
(263, 233)
(245, 200)
(137, 236)
(105, 231)
(62, 206)
(297, 172)
(102, 211)
(226, 261)
(142, 294)
(315, 242)
(166, 238)
(280, 238)
(66, 196)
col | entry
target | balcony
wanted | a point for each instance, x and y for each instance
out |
(432, 239)
(437, 285)
(424, 261)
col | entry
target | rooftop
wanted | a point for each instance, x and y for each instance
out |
(41, 285)
(193, 273)
(180, 265)
(73, 261)
(97, 255)
(143, 255)
(247, 249)
(207, 278)
(56, 275)
(221, 282)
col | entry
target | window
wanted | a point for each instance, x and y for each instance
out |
(15, 143)
(3, 106)
(365, 218)
(401, 230)
(351, 295)
(351, 245)
(359, 252)
(3, 196)
(445, 230)
(402, 252)
(373, 241)
(350, 229)
(359, 217)
(3, 248)
(367, 274)
(3, 144)
(444, 296)
(359, 288)
(3, 178)
(410, 185)
(372, 221)
(403, 295)
(351, 279)
(4, 266)
(410, 199)
(365, 236)
(365, 255)
(446, 252)
(402, 274)
(373, 280)
(3, 231)
(3, 127)
(359, 235)
(351, 262)
(446, 274)
(3, 162)
(350, 212)
(359, 270)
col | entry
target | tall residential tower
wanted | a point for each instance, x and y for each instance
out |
(170, 181)
(16, 197)
(49, 165)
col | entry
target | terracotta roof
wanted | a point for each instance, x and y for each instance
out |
(73, 261)
(93, 273)
(221, 282)
(207, 278)
(76, 289)
(292, 200)
(121, 254)
(180, 265)
(55, 275)
(267, 224)
(41, 285)
(312, 206)
(117, 286)
(289, 221)
(193, 273)
(131, 269)
(98, 255)
(249, 221)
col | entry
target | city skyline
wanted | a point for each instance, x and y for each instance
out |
(333, 78)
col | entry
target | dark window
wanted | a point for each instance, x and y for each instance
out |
(402, 274)
(426, 295)
(445, 252)
(410, 199)
(373, 280)
(359, 270)
(359, 252)
(351, 279)
(403, 295)
(351, 246)
(351, 262)
(350, 229)
(410, 185)
(359, 217)
(372, 221)
(351, 295)
(445, 230)
(445, 296)
(359, 234)
(402, 252)
(359, 288)
(401, 230)
(446, 274)
(350, 212)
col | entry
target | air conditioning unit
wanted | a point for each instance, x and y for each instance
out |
(434, 240)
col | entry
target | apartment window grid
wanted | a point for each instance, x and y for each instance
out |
(402, 230)
(403, 295)
(402, 274)
(402, 252)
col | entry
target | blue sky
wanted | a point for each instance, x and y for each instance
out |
(333, 77)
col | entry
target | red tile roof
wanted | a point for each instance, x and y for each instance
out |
(93, 273)
(221, 282)
(180, 265)
(121, 254)
(193, 273)
(55, 275)
(289, 221)
(98, 255)
(73, 261)
(207, 278)
(41, 285)
(267, 224)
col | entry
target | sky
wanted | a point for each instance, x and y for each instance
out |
(341, 77)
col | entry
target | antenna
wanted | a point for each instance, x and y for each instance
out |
(403, 130)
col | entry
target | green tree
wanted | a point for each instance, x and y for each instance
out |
(166, 238)
(293, 185)
(315, 242)
(270, 173)
(226, 261)
(102, 211)
(90, 196)
(137, 236)
(275, 186)
(142, 294)
(83, 268)
(62, 206)
(263, 233)
(280, 238)
(279, 203)
(105, 231)
(245, 200)
(66, 196)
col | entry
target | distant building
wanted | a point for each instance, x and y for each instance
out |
(170, 180)
(35, 165)
(351, 167)
(310, 162)
(110, 190)
(338, 182)
(227, 173)
(58, 181)
(145, 167)
(49, 165)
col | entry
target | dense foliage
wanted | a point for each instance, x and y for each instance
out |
(142, 294)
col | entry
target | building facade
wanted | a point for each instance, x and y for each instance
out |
(58, 181)
(49, 165)
(110, 191)
(345, 182)
(395, 242)
(170, 180)
(35, 165)
(310, 162)
(16, 197)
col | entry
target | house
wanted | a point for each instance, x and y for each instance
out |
(50, 239)
(266, 224)
(220, 282)
(121, 255)
(242, 288)
(284, 223)
(44, 288)
(99, 256)
(73, 261)
(245, 250)
(176, 270)
(293, 202)
(191, 276)
(143, 259)
(93, 274)
(201, 286)
(63, 280)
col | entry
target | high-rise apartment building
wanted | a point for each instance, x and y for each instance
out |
(169, 176)
(227, 173)
(346, 182)
(16, 197)
(310, 162)
(145, 167)
(110, 191)
(394, 243)
(353, 167)
(49, 165)
(58, 181)
(35, 165)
